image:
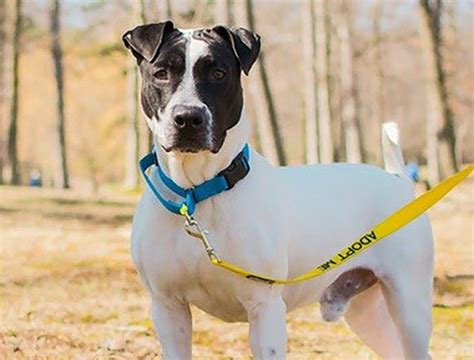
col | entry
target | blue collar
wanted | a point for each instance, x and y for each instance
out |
(225, 180)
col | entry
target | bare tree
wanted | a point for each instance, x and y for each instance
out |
(441, 139)
(13, 70)
(378, 106)
(322, 65)
(145, 135)
(61, 175)
(134, 111)
(451, 49)
(309, 66)
(3, 9)
(335, 84)
(352, 130)
(223, 12)
(268, 128)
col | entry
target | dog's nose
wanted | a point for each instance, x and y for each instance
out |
(185, 116)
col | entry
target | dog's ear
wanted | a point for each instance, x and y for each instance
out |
(245, 45)
(145, 40)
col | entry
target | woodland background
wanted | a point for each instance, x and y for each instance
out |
(330, 73)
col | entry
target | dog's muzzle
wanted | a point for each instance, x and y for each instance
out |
(190, 129)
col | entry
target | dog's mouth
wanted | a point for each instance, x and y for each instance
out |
(190, 143)
(181, 149)
(187, 149)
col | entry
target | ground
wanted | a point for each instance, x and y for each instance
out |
(68, 289)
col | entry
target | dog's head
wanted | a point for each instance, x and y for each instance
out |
(191, 90)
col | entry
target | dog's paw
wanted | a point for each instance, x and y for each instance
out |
(332, 311)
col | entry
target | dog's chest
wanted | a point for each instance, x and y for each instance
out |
(242, 230)
(176, 264)
(209, 290)
(208, 287)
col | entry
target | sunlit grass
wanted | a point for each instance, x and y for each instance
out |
(68, 288)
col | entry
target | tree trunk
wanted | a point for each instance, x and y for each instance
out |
(269, 132)
(311, 111)
(350, 119)
(378, 106)
(132, 132)
(12, 149)
(441, 139)
(145, 135)
(223, 12)
(61, 175)
(322, 65)
(335, 84)
(450, 49)
(450, 53)
(2, 82)
(131, 179)
(310, 104)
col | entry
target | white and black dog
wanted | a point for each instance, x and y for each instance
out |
(277, 221)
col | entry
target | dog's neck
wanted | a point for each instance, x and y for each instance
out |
(188, 170)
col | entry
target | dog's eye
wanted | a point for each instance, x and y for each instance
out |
(217, 74)
(161, 74)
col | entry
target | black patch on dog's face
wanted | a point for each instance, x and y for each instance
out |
(214, 92)
(156, 93)
(218, 84)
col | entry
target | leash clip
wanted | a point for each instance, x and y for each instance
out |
(194, 229)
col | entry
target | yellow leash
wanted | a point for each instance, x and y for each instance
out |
(388, 226)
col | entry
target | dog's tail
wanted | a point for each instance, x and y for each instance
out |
(392, 153)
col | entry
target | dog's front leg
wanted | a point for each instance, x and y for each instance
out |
(267, 329)
(173, 323)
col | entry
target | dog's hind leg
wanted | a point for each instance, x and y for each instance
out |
(409, 300)
(407, 285)
(359, 292)
(369, 318)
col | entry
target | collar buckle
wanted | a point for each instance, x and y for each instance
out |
(236, 171)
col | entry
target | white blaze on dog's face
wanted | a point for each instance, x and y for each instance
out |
(191, 89)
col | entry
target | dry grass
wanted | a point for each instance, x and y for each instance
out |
(69, 290)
